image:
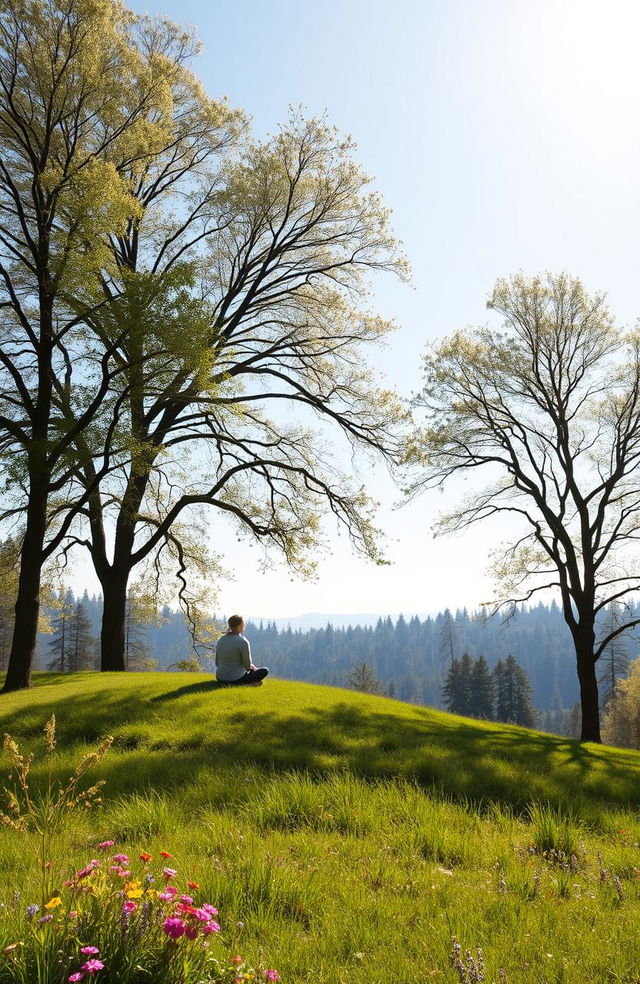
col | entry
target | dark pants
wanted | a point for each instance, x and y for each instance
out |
(253, 676)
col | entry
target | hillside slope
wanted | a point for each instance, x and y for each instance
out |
(182, 725)
(346, 839)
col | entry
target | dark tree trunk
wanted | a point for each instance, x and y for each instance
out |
(27, 609)
(112, 635)
(584, 640)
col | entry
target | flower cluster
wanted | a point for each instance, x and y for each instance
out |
(120, 912)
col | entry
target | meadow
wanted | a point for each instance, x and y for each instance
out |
(345, 839)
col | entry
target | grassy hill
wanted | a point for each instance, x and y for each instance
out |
(354, 836)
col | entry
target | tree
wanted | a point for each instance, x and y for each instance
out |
(448, 642)
(9, 564)
(457, 690)
(80, 82)
(615, 656)
(363, 679)
(59, 644)
(513, 694)
(268, 271)
(482, 690)
(548, 408)
(621, 718)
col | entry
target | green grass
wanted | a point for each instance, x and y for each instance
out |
(353, 835)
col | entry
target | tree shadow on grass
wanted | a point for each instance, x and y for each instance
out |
(181, 735)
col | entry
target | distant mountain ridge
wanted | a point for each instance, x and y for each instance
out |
(319, 620)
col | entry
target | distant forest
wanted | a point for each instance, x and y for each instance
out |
(409, 657)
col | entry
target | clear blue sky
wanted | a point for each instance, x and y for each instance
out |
(504, 134)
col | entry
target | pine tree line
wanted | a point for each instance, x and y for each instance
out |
(502, 694)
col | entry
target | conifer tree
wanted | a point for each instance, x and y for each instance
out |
(81, 643)
(482, 690)
(615, 657)
(458, 687)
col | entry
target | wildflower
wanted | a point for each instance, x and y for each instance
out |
(92, 966)
(73, 914)
(210, 927)
(90, 951)
(169, 872)
(32, 909)
(191, 932)
(174, 927)
(236, 959)
(54, 902)
(121, 858)
(105, 845)
(186, 899)
(149, 878)
(75, 977)
(130, 906)
(193, 886)
(11, 948)
(164, 854)
(145, 857)
(211, 909)
(271, 975)
(45, 919)
(169, 893)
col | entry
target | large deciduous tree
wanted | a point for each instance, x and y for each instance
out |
(547, 409)
(83, 89)
(235, 316)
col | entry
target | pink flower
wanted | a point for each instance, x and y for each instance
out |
(173, 927)
(211, 909)
(130, 906)
(85, 872)
(73, 914)
(210, 927)
(271, 975)
(105, 845)
(236, 960)
(169, 872)
(169, 893)
(76, 977)
(186, 899)
(121, 858)
(202, 915)
(90, 951)
(92, 966)
(191, 932)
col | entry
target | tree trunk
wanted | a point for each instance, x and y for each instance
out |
(27, 609)
(112, 635)
(589, 703)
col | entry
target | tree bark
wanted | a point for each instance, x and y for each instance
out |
(112, 634)
(584, 640)
(27, 608)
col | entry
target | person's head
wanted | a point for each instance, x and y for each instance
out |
(236, 624)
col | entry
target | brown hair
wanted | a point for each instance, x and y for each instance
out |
(234, 621)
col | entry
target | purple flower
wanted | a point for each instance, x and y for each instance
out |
(121, 858)
(174, 927)
(45, 919)
(32, 909)
(271, 975)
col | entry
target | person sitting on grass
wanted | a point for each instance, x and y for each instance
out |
(233, 657)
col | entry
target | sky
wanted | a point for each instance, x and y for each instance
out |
(504, 136)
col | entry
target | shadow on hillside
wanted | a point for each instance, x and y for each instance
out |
(183, 743)
(204, 687)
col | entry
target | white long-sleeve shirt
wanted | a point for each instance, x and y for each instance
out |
(233, 657)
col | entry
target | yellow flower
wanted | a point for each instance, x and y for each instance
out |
(54, 902)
